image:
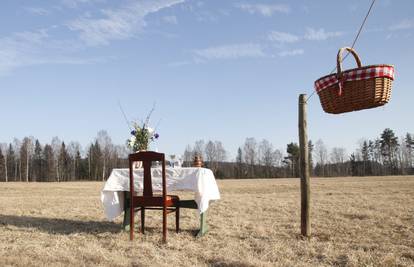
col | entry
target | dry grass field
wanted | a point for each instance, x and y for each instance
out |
(367, 221)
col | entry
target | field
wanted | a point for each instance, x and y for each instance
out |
(366, 221)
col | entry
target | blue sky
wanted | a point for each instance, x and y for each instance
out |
(219, 70)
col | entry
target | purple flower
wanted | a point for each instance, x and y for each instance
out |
(156, 135)
(133, 132)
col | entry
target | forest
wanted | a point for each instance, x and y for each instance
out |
(28, 160)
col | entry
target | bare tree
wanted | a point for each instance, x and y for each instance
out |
(210, 152)
(278, 157)
(338, 157)
(199, 148)
(105, 142)
(26, 152)
(250, 153)
(73, 149)
(321, 155)
(221, 152)
(56, 145)
(215, 153)
(18, 162)
(188, 155)
(266, 156)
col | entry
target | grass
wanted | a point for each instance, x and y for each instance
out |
(365, 221)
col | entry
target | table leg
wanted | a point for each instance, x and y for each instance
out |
(127, 213)
(203, 224)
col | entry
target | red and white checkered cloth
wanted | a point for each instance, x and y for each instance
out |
(364, 73)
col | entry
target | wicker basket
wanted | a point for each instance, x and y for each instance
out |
(355, 89)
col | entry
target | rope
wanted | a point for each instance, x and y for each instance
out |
(353, 43)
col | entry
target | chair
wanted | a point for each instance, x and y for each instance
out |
(164, 202)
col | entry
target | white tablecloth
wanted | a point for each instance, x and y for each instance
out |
(199, 180)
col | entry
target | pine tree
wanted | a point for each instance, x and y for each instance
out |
(78, 162)
(293, 158)
(409, 142)
(389, 146)
(2, 167)
(239, 163)
(11, 158)
(49, 172)
(37, 162)
(64, 162)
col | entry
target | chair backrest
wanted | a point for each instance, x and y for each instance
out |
(147, 157)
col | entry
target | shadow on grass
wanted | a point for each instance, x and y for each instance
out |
(220, 262)
(60, 226)
(158, 230)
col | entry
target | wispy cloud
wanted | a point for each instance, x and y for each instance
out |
(282, 37)
(37, 48)
(310, 35)
(170, 19)
(233, 51)
(320, 34)
(294, 52)
(77, 3)
(266, 10)
(117, 24)
(39, 11)
(403, 25)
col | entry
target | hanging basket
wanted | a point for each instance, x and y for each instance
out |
(355, 89)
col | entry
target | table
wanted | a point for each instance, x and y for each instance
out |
(115, 194)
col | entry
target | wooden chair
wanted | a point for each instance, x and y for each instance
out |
(164, 202)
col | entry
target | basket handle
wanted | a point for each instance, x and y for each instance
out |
(339, 59)
(339, 67)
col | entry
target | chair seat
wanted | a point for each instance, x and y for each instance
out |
(156, 201)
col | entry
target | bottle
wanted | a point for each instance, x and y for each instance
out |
(198, 161)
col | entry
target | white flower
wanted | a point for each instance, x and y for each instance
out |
(132, 139)
(150, 130)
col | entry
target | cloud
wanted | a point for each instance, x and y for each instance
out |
(233, 51)
(310, 35)
(170, 19)
(266, 10)
(403, 25)
(320, 34)
(282, 37)
(77, 3)
(117, 24)
(39, 11)
(37, 48)
(291, 52)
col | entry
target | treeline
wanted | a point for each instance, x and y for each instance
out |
(385, 155)
(29, 160)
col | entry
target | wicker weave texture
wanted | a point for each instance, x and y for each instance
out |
(356, 95)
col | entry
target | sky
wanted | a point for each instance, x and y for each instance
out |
(216, 70)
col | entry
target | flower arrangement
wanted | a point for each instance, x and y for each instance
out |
(142, 135)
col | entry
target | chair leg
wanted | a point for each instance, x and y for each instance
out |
(142, 219)
(131, 221)
(164, 224)
(177, 219)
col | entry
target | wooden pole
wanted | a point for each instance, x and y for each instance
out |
(304, 168)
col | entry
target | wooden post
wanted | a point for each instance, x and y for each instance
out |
(304, 168)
